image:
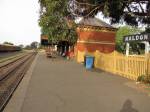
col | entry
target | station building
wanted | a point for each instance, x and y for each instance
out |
(93, 35)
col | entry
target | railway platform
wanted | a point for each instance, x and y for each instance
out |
(57, 85)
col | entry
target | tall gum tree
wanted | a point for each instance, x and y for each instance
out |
(54, 20)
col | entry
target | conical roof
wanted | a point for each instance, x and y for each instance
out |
(94, 22)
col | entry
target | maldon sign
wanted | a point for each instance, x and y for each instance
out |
(138, 37)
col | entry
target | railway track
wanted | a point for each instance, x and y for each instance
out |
(10, 76)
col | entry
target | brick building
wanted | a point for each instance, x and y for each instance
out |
(93, 35)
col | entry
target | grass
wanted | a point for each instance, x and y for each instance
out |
(11, 57)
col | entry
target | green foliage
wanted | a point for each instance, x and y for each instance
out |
(144, 78)
(53, 20)
(21, 45)
(28, 47)
(8, 43)
(124, 31)
(132, 12)
(141, 78)
(34, 45)
(147, 30)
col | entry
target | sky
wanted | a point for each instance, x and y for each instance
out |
(19, 21)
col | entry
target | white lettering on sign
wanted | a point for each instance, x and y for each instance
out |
(139, 37)
(133, 38)
(145, 37)
(126, 39)
(130, 38)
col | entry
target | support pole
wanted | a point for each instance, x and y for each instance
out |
(127, 49)
(147, 47)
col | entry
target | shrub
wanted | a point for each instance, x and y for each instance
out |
(141, 78)
(144, 79)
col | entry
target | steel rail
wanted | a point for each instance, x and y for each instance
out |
(7, 68)
(19, 72)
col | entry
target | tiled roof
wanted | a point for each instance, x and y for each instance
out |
(94, 22)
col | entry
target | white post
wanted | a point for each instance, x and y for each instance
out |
(127, 49)
(55, 47)
(147, 47)
(69, 48)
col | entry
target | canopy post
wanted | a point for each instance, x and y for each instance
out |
(147, 47)
(127, 48)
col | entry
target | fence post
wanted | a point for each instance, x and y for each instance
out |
(114, 57)
(127, 48)
(148, 66)
(95, 60)
(126, 65)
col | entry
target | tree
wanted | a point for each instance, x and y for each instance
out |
(28, 47)
(132, 12)
(34, 45)
(147, 30)
(21, 45)
(54, 18)
(124, 31)
(8, 43)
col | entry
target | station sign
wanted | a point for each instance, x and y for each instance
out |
(44, 40)
(138, 37)
(44, 37)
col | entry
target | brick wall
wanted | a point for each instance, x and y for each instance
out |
(90, 41)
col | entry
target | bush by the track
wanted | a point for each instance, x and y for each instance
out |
(9, 48)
